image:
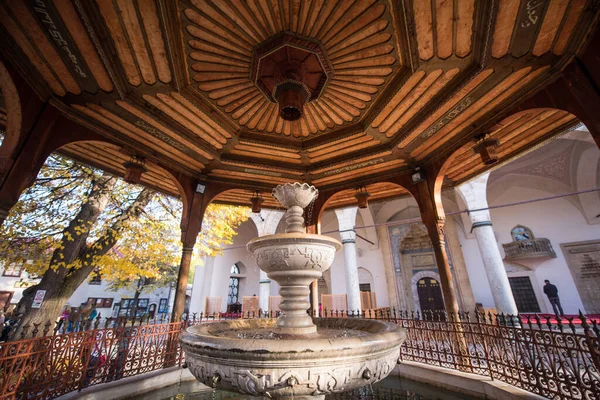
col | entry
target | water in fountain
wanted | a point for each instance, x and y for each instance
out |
(293, 356)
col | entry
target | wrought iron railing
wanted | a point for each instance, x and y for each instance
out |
(528, 249)
(550, 358)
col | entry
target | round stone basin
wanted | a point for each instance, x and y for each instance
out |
(253, 357)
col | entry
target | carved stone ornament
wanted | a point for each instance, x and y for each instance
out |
(332, 365)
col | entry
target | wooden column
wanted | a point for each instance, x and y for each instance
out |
(432, 215)
(191, 224)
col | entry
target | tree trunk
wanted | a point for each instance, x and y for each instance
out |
(62, 279)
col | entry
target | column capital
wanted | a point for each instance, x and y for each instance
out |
(187, 249)
(479, 224)
(346, 219)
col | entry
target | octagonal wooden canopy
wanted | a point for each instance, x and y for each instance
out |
(411, 81)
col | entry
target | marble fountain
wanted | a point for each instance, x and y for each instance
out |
(294, 356)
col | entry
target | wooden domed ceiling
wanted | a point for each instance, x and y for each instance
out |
(405, 80)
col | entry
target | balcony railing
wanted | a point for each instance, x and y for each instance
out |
(528, 249)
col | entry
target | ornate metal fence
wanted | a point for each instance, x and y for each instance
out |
(555, 360)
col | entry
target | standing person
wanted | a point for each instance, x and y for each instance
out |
(63, 319)
(552, 293)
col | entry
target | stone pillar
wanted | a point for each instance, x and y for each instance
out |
(346, 220)
(474, 195)
(266, 224)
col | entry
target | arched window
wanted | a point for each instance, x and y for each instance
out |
(234, 285)
(520, 233)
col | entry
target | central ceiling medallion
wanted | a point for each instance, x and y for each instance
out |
(290, 70)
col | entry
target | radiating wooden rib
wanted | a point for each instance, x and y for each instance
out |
(79, 35)
(34, 31)
(259, 7)
(215, 33)
(232, 89)
(319, 115)
(553, 17)
(365, 54)
(349, 96)
(180, 115)
(218, 129)
(424, 28)
(241, 112)
(408, 100)
(215, 43)
(225, 173)
(358, 19)
(223, 24)
(121, 46)
(241, 17)
(255, 154)
(254, 116)
(365, 64)
(368, 37)
(360, 172)
(31, 53)
(444, 27)
(203, 129)
(339, 152)
(573, 14)
(112, 121)
(322, 13)
(398, 97)
(218, 51)
(327, 109)
(350, 163)
(421, 102)
(505, 23)
(346, 111)
(360, 13)
(152, 28)
(330, 20)
(464, 26)
(216, 60)
(365, 81)
(270, 111)
(464, 91)
(238, 99)
(484, 104)
(264, 150)
(157, 125)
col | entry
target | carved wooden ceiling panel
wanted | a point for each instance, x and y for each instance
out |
(357, 36)
(404, 81)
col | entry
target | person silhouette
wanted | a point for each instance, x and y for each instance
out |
(552, 292)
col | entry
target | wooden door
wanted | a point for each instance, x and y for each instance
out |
(430, 295)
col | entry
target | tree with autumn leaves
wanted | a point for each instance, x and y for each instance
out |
(76, 219)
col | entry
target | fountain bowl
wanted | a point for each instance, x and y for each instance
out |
(252, 356)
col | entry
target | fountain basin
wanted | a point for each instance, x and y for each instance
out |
(254, 356)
